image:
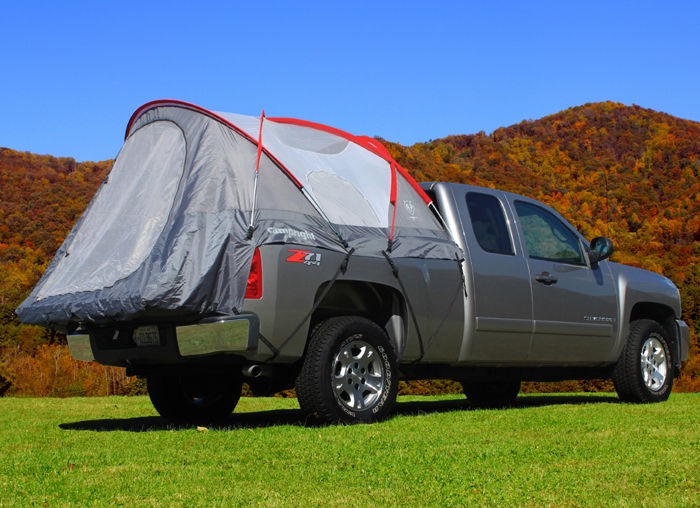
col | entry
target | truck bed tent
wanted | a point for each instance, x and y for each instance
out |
(172, 230)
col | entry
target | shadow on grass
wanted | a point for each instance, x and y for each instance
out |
(460, 403)
(280, 417)
(252, 420)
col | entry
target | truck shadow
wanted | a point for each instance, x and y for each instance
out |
(461, 404)
(281, 417)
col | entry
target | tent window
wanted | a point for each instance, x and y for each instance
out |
(128, 214)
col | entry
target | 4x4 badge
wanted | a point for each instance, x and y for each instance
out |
(307, 257)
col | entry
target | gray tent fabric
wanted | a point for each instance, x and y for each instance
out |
(171, 232)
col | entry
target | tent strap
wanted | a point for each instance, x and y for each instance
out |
(395, 271)
(341, 270)
(269, 344)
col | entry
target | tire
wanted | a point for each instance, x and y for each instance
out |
(490, 394)
(349, 373)
(194, 399)
(644, 372)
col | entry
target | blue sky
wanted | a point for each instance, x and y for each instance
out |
(74, 71)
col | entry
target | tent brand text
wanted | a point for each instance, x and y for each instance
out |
(294, 233)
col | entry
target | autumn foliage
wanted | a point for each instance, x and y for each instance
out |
(628, 173)
(50, 370)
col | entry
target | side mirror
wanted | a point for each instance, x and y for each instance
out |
(601, 248)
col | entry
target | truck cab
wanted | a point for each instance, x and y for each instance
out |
(539, 295)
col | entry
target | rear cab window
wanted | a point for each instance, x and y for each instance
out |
(489, 223)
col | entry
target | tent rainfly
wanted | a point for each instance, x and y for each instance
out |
(172, 230)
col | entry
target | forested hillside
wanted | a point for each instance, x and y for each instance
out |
(41, 199)
(628, 173)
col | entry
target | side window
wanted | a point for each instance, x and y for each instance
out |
(489, 223)
(546, 237)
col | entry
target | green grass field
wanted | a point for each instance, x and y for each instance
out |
(560, 450)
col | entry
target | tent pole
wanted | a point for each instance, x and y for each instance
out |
(251, 227)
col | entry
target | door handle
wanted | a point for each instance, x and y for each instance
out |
(546, 278)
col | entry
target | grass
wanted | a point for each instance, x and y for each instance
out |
(560, 450)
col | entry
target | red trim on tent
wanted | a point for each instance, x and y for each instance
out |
(370, 144)
(318, 127)
(414, 184)
(377, 147)
(186, 105)
(365, 142)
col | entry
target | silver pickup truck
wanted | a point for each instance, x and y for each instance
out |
(303, 274)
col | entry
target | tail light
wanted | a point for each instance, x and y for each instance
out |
(254, 287)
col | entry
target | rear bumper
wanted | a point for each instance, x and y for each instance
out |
(232, 335)
(128, 345)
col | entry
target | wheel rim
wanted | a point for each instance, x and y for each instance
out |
(654, 366)
(358, 376)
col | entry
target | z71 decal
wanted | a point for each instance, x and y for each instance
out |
(307, 257)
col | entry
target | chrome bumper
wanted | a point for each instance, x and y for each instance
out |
(237, 334)
(218, 336)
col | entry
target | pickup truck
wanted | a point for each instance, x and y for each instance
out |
(520, 294)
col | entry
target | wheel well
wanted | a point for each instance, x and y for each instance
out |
(376, 302)
(665, 317)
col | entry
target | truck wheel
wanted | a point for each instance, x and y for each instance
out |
(644, 373)
(194, 398)
(349, 373)
(491, 393)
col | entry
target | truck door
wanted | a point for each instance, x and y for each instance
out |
(574, 304)
(502, 301)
